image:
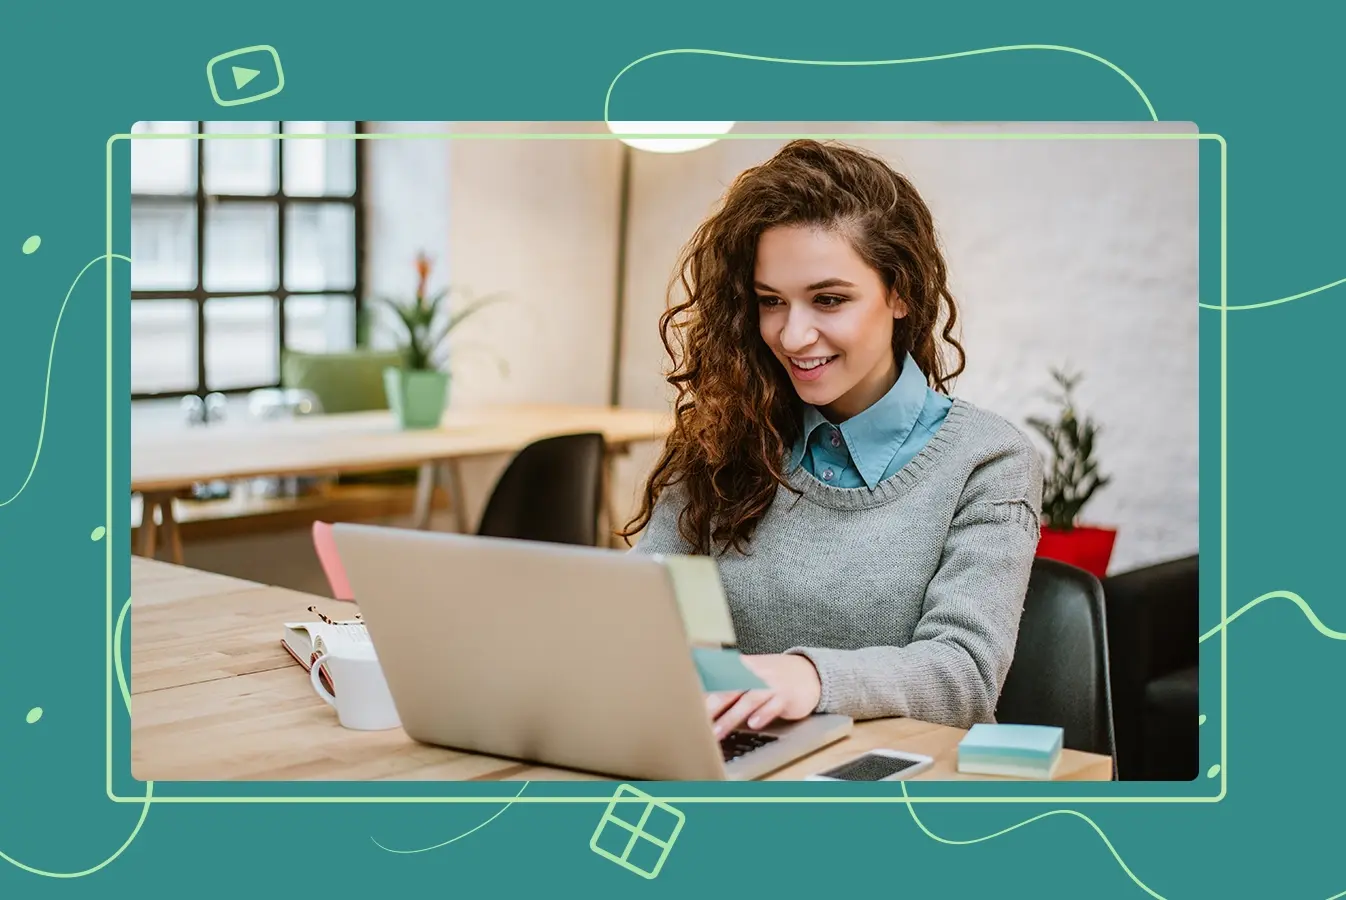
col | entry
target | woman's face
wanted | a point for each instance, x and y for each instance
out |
(827, 318)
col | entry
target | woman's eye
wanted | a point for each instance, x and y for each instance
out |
(827, 300)
(768, 301)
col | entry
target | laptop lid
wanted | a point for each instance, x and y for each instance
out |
(557, 654)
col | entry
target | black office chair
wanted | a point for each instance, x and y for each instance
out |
(1060, 671)
(551, 491)
(1152, 639)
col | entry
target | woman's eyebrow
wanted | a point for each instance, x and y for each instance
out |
(818, 286)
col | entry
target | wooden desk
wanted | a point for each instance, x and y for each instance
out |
(166, 463)
(215, 697)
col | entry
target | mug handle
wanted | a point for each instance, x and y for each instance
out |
(316, 680)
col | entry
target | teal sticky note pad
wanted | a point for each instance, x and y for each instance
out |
(723, 670)
(1019, 741)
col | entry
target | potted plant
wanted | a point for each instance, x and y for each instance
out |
(418, 390)
(1070, 481)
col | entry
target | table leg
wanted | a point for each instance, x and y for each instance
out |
(425, 495)
(148, 530)
(172, 536)
(453, 477)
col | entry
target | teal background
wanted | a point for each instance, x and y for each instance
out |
(77, 77)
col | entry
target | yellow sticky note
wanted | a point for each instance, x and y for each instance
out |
(701, 599)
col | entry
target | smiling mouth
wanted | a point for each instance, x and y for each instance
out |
(811, 368)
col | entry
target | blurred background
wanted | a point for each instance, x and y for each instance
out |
(248, 253)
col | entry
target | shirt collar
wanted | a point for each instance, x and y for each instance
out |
(874, 436)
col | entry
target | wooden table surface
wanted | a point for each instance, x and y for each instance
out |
(215, 697)
(165, 460)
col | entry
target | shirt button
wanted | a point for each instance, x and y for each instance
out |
(836, 439)
(827, 474)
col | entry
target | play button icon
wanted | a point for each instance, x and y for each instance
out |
(242, 76)
(245, 75)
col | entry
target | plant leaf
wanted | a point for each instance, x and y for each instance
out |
(1071, 477)
(457, 318)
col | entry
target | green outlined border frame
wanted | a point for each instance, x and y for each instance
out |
(606, 798)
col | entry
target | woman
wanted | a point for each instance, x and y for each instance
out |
(874, 535)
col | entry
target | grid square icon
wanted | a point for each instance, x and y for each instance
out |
(637, 831)
(661, 824)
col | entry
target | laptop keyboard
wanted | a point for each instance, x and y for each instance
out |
(738, 743)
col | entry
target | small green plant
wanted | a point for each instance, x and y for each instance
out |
(424, 323)
(1072, 477)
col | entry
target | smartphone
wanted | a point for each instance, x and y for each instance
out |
(877, 765)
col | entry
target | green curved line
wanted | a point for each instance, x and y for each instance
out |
(144, 811)
(911, 808)
(1294, 598)
(46, 391)
(149, 785)
(117, 656)
(1267, 303)
(883, 62)
(459, 837)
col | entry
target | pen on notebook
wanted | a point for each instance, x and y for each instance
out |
(329, 621)
(316, 612)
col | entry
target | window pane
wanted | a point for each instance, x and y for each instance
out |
(163, 346)
(163, 245)
(320, 167)
(319, 247)
(236, 166)
(241, 247)
(163, 166)
(321, 324)
(241, 342)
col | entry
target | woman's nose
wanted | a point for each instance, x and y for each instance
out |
(798, 333)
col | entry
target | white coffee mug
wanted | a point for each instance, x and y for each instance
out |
(362, 700)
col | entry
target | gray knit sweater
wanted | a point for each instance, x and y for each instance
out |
(906, 598)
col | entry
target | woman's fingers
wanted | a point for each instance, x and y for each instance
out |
(737, 714)
(718, 702)
(768, 712)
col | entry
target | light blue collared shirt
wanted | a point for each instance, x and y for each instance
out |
(873, 445)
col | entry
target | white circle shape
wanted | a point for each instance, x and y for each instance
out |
(669, 137)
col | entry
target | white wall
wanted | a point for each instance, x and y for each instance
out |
(1060, 251)
(535, 221)
(407, 210)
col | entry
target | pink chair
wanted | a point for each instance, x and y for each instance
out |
(325, 544)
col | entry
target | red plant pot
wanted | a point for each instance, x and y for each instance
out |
(1083, 546)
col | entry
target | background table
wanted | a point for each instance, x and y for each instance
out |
(166, 463)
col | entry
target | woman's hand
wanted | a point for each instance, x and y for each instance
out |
(792, 692)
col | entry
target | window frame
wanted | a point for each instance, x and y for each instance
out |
(199, 200)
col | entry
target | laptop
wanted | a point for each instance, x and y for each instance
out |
(566, 656)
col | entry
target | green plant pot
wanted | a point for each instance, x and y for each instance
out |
(417, 398)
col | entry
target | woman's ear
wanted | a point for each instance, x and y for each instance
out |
(896, 304)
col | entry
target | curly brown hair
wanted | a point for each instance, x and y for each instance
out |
(736, 412)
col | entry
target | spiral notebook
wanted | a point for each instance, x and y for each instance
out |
(306, 641)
